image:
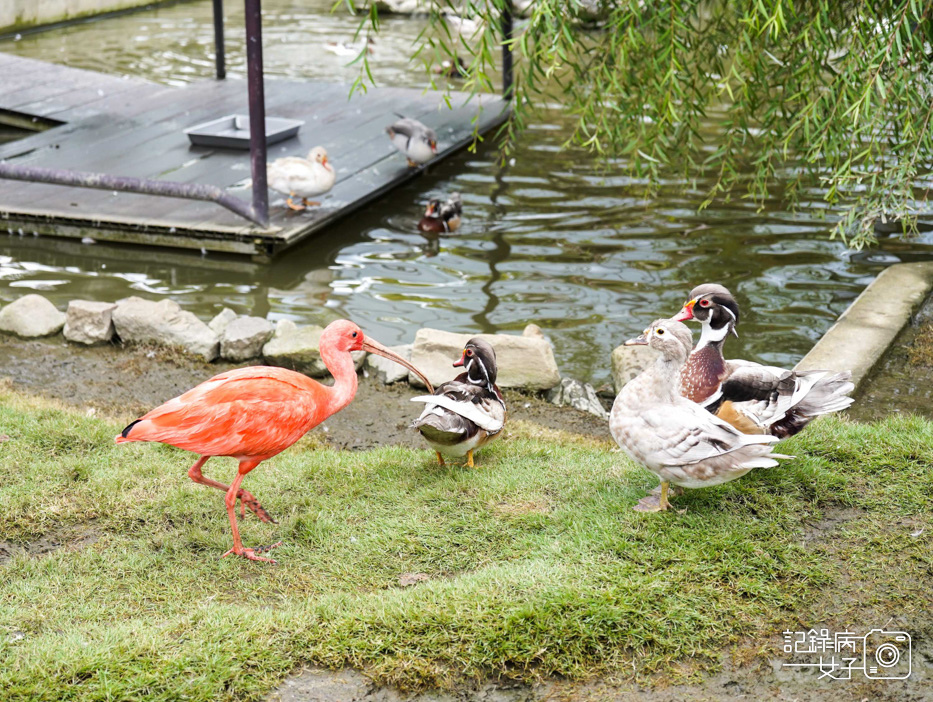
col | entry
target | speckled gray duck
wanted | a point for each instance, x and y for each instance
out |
(467, 412)
(752, 397)
(412, 138)
(674, 438)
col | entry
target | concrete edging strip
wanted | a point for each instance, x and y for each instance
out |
(863, 333)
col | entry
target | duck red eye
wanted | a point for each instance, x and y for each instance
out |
(704, 303)
(469, 352)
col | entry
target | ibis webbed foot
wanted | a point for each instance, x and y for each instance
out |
(251, 554)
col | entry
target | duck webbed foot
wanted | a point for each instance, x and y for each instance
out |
(656, 500)
(293, 205)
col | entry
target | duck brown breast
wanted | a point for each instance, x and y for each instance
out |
(702, 374)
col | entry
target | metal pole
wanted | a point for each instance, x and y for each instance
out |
(257, 110)
(128, 184)
(219, 39)
(507, 49)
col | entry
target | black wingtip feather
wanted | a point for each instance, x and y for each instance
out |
(125, 432)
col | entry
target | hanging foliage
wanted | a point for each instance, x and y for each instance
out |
(766, 97)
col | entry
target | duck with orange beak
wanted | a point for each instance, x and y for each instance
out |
(467, 412)
(753, 398)
(417, 141)
(442, 217)
(302, 177)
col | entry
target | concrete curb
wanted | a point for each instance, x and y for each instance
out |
(863, 333)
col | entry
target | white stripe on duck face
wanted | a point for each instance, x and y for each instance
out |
(708, 335)
(484, 381)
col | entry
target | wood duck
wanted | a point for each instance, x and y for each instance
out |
(674, 438)
(752, 397)
(442, 218)
(415, 140)
(467, 412)
(302, 177)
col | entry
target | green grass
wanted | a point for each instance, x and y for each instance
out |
(538, 566)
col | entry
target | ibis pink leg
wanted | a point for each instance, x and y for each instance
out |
(230, 500)
(246, 498)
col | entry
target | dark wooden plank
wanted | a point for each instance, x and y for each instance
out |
(381, 175)
(337, 133)
(52, 84)
(374, 182)
(64, 105)
(131, 149)
(148, 142)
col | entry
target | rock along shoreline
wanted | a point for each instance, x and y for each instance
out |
(527, 361)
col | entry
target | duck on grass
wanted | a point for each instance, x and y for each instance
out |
(539, 546)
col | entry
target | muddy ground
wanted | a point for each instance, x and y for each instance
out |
(125, 383)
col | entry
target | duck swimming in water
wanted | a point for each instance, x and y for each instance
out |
(442, 218)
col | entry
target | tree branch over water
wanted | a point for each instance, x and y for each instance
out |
(758, 99)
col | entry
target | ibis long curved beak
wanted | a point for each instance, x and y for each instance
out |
(687, 311)
(373, 346)
(638, 340)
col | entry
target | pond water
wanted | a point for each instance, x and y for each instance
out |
(553, 238)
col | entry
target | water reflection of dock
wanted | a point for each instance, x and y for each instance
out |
(98, 123)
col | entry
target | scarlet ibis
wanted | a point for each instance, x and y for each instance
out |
(255, 413)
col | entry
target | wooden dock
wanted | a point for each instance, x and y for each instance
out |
(130, 127)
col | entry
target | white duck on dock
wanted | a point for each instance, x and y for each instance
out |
(302, 177)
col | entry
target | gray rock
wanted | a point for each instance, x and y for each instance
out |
(244, 337)
(31, 316)
(388, 371)
(164, 323)
(89, 322)
(629, 361)
(579, 395)
(524, 361)
(221, 320)
(297, 348)
(533, 331)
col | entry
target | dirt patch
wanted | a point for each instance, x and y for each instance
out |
(765, 681)
(834, 519)
(71, 540)
(920, 352)
(517, 509)
(127, 382)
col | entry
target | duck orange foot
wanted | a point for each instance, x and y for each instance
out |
(251, 554)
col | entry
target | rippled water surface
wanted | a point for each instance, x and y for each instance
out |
(552, 238)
